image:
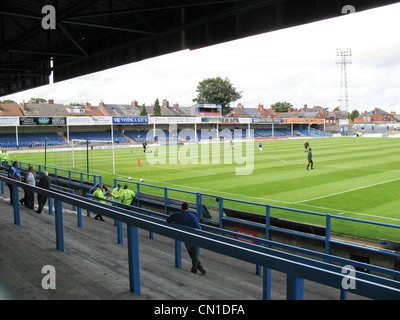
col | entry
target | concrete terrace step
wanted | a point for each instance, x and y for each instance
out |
(94, 266)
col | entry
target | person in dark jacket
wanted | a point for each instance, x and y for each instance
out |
(309, 158)
(44, 183)
(185, 218)
(13, 173)
(306, 146)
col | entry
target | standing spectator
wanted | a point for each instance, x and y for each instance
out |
(99, 193)
(29, 195)
(184, 217)
(44, 183)
(13, 173)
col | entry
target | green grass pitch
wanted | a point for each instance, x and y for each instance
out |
(352, 177)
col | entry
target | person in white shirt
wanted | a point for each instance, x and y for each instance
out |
(30, 179)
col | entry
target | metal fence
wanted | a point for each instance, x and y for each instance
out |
(296, 267)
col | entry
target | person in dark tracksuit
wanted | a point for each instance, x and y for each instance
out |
(310, 161)
(306, 145)
(186, 218)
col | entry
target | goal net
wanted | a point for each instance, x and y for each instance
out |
(87, 155)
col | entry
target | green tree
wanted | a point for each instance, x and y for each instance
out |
(143, 112)
(40, 100)
(157, 108)
(7, 101)
(71, 104)
(218, 91)
(281, 106)
(354, 114)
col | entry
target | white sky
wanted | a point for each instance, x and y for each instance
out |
(297, 65)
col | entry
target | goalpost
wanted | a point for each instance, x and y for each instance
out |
(82, 152)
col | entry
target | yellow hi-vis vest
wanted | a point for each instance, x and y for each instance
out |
(128, 196)
(99, 194)
(117, 195)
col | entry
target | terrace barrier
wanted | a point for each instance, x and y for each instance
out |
(326, 262)
(296, 267)
(61, 177)
(201, 203)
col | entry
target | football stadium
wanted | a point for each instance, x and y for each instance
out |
(122, 201)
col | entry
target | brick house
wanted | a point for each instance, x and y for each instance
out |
(376, 115)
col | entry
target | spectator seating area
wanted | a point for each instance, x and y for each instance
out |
(118, 136)
(53, 139)
(31, 140)
(278, 132)
(137, 135)
(189, 134)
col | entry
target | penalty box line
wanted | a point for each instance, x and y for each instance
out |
(351, 190)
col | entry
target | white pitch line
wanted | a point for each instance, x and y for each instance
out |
(196, 171)
(356, 168)
(284, 161)
(351, 190)
(203, 175)
(342, 212)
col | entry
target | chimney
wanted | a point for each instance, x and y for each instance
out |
(50, 101)
(36, 100)
(305, 107)
(165, 103)
(176, 105)
(260, 106)
(101, 104)
(134, 103)
(240, 106)
(24, 106)
(87, 105)
(376, 110)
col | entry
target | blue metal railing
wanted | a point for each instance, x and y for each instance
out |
(60, 176)
(151, 221)
(296, 267)
(197, 198)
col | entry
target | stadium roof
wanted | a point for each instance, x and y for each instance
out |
(94, 35)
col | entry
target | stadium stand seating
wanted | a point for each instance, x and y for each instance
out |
(266, 133)
(189, 135)
(29, 140)
(118, 137)
(140, 136)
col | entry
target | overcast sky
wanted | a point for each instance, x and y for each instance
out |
(297, 65)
